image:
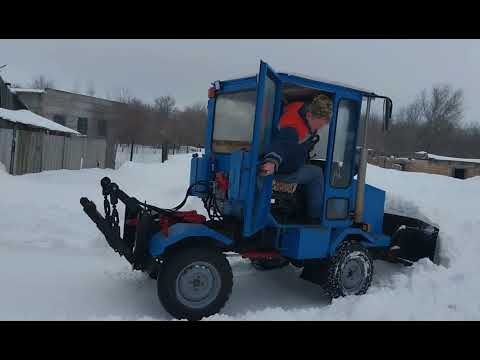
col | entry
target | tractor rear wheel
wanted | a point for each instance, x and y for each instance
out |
(153, 274)
(350, 271)
(195, 282)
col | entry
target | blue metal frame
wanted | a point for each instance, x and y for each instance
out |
(369, 239)
(329, 190)
(257, 207)
(179, 232)
(209, 131)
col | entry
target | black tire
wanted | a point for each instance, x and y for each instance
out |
(153, 270)
(354, 258)
(209, 261)
(153, 274)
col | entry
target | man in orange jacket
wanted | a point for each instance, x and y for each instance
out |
(291, 146)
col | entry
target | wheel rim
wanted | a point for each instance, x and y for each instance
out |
(198, 284)
(354, 273)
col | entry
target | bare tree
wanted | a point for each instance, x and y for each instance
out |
(137, 122)
(191, 124)
(76, 87)
(155, 124)
(108, 95)
(375, 136)
(441, 112)
(403, 136)
(91, 88)
(124, 96)
(432, 123)
(41, 82)
(165, 105)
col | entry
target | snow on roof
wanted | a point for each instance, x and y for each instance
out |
(447, 158)
(29, 118)
(20, 90)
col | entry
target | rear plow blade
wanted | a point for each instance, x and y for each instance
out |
(412, 239)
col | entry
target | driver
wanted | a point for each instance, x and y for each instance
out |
(291, 145)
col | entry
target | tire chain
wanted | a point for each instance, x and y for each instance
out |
(332, 284)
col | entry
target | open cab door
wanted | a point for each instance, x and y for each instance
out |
(267, 113)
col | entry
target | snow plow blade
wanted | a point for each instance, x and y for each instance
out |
(412, 239)
(111, 235)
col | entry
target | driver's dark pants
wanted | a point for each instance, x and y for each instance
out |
(312, 177)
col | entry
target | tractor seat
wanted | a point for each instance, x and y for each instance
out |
(284, 192)
(287, 205)
(283, 187)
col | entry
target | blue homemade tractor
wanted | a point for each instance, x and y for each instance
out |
(260, 218)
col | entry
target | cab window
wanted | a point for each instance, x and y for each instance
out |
(234, 119)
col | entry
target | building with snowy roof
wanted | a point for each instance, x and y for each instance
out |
(30, 142)
(421, 161)
(88, 115)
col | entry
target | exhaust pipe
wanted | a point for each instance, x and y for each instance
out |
(362, 171)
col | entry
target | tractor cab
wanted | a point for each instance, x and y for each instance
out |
(243, 115)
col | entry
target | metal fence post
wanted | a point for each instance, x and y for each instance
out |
(12, 152)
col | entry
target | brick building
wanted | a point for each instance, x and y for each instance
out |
(8, 99)
(87, 114)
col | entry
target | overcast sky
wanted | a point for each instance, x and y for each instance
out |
(185, 68)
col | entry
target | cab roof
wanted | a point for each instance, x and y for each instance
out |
(286, 75)
(326, 81)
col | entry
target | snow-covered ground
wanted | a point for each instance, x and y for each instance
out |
(141, 154)
(55, 265)
(145, 154)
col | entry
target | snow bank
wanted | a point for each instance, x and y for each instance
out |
(43, 209)
(450, 291)
(451, 203)
(51, 252)
(147, 154)
(22, 90)
(3, 169)
(141, 154)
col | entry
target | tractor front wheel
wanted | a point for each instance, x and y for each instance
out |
(350, 271)
(195, 283)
